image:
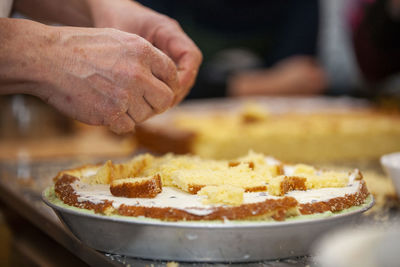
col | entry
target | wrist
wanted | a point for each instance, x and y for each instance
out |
(22, 57)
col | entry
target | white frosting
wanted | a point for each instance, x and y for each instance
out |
(175, 198)
(323, 194)
(288, 170)
(169, 197)
(272, 161)
(90, 171)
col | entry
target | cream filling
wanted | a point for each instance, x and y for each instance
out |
(171, 197)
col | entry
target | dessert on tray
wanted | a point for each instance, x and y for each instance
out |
(190, 188)
(315, 136)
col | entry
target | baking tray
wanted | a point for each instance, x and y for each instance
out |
(199, 241)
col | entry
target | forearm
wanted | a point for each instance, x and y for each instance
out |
(71, 12)
(22, 43)
(108, 14)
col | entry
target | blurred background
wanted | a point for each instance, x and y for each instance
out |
(250, 48)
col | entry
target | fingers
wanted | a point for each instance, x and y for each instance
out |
(165, 70)
(156, 97)
(144, 89)
(188, 66)
(140, 110)
(123, 124)
(147, 96)
(115, 115)
(185, 54)
(188, 61)
(159, 96)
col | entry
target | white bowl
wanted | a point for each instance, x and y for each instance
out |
(391, 165)
(366, 246)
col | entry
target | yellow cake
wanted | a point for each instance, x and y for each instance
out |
(138, 187)
(305, 137)
(222, 194)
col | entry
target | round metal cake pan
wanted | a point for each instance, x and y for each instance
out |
(198, 241)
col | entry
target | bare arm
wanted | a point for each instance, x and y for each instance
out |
(98, 76)
(70, 12)
(126, 15)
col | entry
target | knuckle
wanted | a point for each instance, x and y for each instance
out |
(164, 100)
(131, 38)
(138, 75)
(144, 48)
(167, 100)
(112, 31)
(172, 72)
(168, 21)
(137, 45)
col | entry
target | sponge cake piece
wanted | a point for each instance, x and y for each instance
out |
(223, 194)
(280, 185)
(140, 187)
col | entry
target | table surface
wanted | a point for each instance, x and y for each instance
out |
(21, 184)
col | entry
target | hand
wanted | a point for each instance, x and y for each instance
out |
(294, 75)
(98, 76)
(161, 31)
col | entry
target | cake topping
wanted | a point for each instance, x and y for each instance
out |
(190, 188)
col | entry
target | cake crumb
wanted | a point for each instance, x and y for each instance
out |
(172, 264)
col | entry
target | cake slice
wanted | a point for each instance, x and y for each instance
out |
(223, 194)
(193, 181)
(110, 171)
(132, 168)
(280, 185)
(140, 187)
(327, 179)
(102, 176)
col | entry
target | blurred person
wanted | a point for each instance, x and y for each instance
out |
(119, 64)
(376, 37)
(251, 47)
(295, 75)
